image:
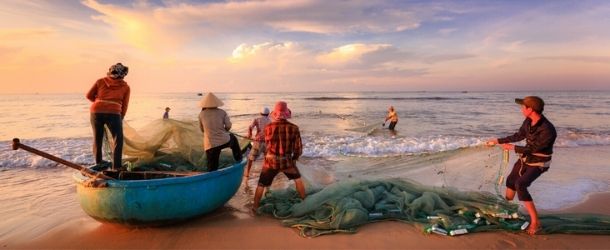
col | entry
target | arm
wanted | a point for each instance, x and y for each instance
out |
(125, 102)
(92, 94)
(200, 123)
(254, 124)
(298, 145)
(545, 140)
(227, 122)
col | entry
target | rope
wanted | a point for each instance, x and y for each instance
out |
(245, 137)
(500, 178)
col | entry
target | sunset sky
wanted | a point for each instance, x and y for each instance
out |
(305, 45)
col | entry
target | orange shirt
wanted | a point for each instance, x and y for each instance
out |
(109, 96)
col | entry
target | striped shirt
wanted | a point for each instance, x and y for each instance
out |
(284, 146)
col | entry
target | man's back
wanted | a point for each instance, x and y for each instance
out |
(284, 146)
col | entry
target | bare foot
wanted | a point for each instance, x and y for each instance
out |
(533, 229)
(253, 212)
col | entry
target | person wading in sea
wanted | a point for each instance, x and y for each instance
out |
(535, 157)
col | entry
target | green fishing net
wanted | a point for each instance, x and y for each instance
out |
(343, 206)
(168, 145)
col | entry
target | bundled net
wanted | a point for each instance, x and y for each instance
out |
(443, 208)
(344, 206)
(168, 145)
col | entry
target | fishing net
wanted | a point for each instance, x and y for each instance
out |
(168, 145)
(467, 197)
(367, 127)
(343, 206)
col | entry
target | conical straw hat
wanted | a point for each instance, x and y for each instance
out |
(210, 101)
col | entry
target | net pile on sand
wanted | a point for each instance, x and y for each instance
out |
(344, 206)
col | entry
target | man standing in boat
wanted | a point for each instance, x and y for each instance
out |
(284, 147)
(259, 141)
(110, 97)
(535, 156)
(215, 124)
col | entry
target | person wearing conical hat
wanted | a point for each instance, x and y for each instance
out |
(258, 144)
(215, 125)
(284, 147)
(110, 98)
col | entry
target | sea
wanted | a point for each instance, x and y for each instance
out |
(438, 139)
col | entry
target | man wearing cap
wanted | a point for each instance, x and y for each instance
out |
(215, 124)
(535, 156)
(259, 141)
(284, 147)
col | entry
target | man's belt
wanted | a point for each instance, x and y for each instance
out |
(537, 164)
(277, 157)
(108, 101)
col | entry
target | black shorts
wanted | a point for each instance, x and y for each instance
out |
(268, 174)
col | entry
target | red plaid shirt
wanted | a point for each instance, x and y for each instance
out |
(284, 146)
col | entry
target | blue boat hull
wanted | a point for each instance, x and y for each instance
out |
(159, 201)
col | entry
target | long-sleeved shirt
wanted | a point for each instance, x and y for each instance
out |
(539, 139)
(110, 96)
(284, 145)
(214, 124)
(260, 123)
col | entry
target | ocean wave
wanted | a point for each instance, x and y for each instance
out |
(432, 98)
(315, 145)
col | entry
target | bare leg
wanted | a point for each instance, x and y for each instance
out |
(257, 197)
(300, 187)
(534, 223)
(510, 194)
(249, 165)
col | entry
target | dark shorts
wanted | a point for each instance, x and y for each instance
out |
(521, 177)
(267, 175)
(392, 125)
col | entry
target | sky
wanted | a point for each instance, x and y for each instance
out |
(53, 46)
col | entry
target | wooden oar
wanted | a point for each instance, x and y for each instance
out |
(86, 171)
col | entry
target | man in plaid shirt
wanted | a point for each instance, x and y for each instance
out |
(284, 147)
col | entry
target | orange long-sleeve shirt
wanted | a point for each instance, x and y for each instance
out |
(109, 96)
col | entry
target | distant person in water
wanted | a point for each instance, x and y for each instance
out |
(166, 114)
(258, 144)
(110, 97)
(535, 157)
(215, 125)
(284, 147)
(392, 117)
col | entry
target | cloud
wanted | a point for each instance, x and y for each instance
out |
(351, 54)
(586, 59)
(138, 26)
(25, 34)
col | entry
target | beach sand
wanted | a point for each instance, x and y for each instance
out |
(38, 209)
(229, 228)
(52, 224)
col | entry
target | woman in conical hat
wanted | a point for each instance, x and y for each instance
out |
(215, 124)
(210, 101)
